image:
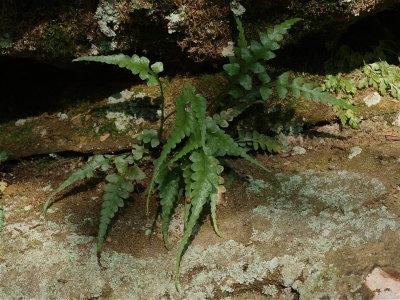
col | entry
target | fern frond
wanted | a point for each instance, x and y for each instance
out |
(300, 88)
(136, 64)
(191, 145)
(187, 179)
(169, 190)
(242, 42)
(199, 106)
(184, 126)
(213, 206)
(269, 40)
(86, 171)
(258, 140)
(117, 189)
(219, 143)
(205, 179)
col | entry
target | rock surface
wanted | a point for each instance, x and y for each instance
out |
(58, 32)
(312, 236)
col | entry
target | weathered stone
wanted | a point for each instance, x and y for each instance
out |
(62, 30)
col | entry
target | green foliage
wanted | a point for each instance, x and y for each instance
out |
(116, 190)
(189, 161)
(149, 136)
(383, 77)
(198, 172)
(345, 88)
(136, 64)
(4, 155)
(256, 141)
(249, 78)
(85, 171)
(121, 171)
(379, 75)
(347, 116)
(340, 85)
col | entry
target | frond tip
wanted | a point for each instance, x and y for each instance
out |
(136, 64)
(86, 171)
(117, 190)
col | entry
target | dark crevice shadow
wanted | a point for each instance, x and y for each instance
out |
(370, 39)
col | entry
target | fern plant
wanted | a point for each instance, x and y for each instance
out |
(249, 80)
(383, 77)
(189, 163)
(345, 88)
(194, 169)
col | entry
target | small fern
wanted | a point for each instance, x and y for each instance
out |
(250, 81)
(383, 77)
(116, 190)
(188, 163)
(345, 88)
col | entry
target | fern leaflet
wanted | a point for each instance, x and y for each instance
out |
(258, 140)
(184, 125)
(221, 144)
(204, 180)
(117, 189)
(86, 171)
(169, 196)
(137, 65)
(307, 90)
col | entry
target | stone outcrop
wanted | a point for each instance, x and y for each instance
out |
(197, 29)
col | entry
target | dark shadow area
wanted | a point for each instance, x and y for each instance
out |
(369, 40)
(30, 88)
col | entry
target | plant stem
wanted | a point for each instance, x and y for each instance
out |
(161, 129)
(169, 115)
